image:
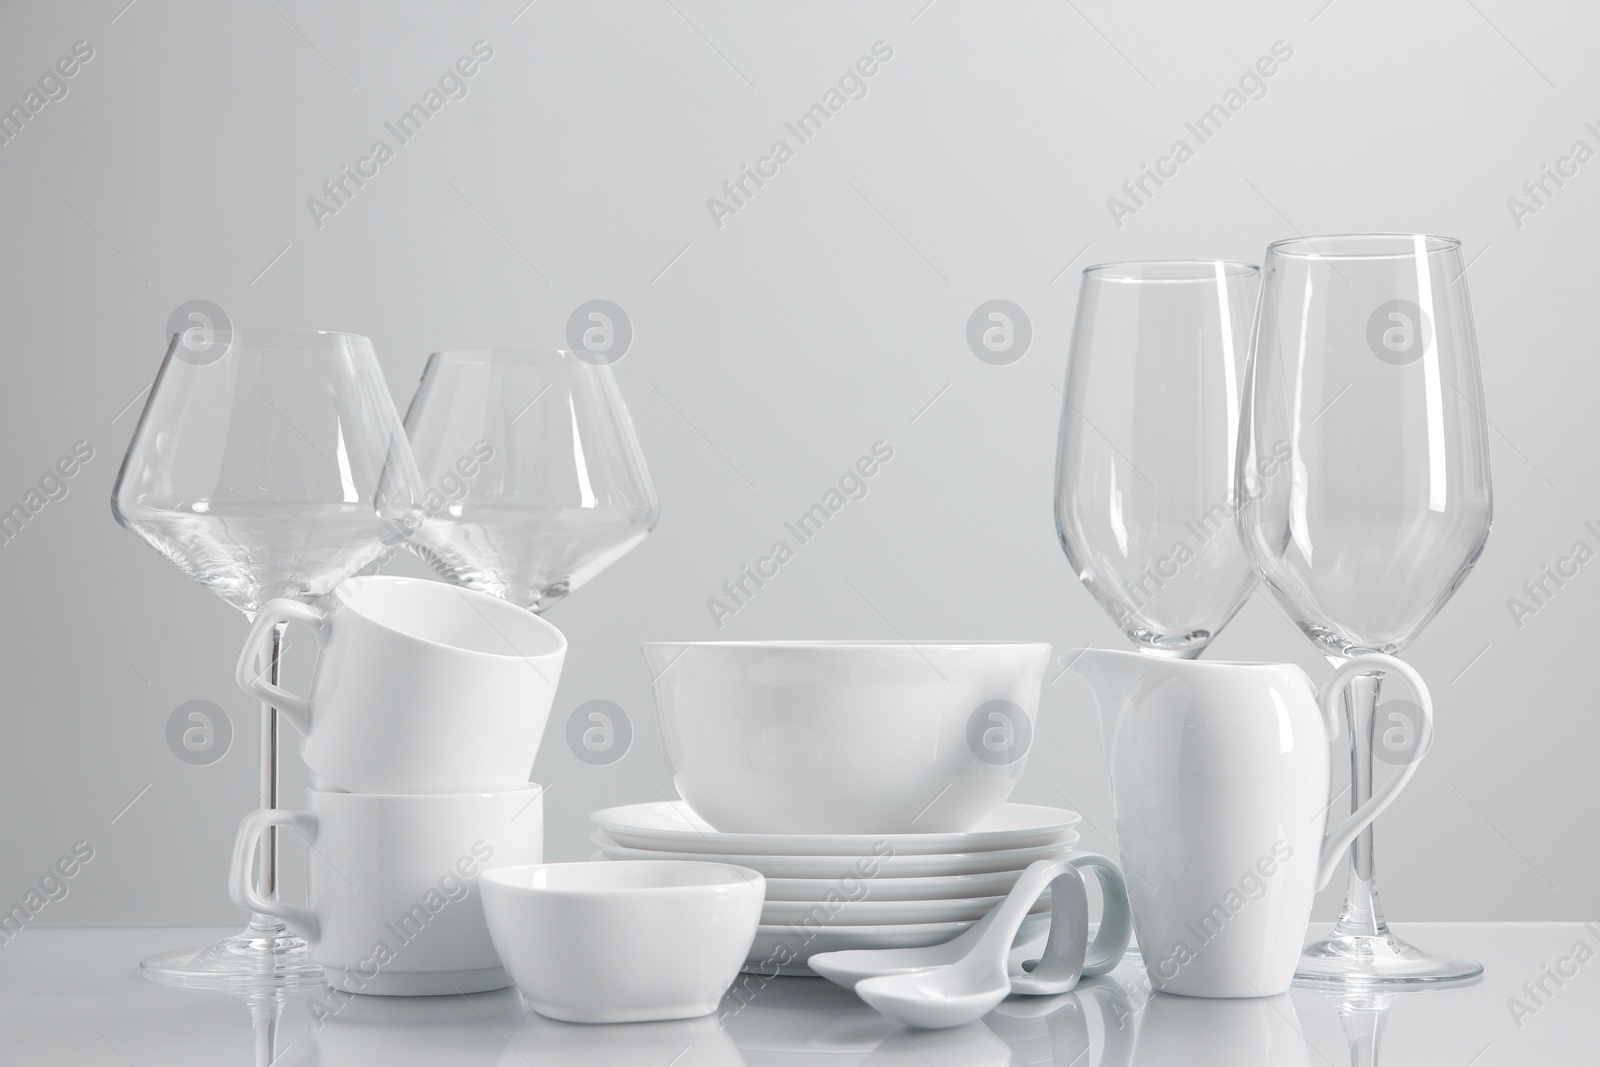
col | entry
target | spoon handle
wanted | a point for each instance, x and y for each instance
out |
(1061, 965)
(1116, 919)
(1066, 955)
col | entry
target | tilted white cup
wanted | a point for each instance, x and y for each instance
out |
(421, 687)
(394, 904)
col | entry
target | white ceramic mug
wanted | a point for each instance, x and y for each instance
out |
(1219, 781)
(395, 906)
(421, 687)
(848, 737)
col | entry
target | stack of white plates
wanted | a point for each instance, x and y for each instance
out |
(827, 892)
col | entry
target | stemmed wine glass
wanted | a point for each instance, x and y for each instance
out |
(267, 463)
(1144, 468)
(535, 481)
(1364, 466)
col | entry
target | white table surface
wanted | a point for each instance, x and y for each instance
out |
(73, 996)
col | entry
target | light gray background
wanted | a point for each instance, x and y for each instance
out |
(828, 314)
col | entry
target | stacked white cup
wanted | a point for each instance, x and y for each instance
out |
(423, 721)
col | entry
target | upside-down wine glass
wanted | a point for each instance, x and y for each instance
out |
(534, 478)
(267, 463)
(1145, 463)
(1364, 468)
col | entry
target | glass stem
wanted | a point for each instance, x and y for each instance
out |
(1363, 1030)
(265, 1013)
(1362, 913)
(270, 665)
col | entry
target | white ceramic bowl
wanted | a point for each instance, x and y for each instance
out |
(604, 942)
(846, 737)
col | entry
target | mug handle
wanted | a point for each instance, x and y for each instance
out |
(294, 708)
(1339, 838)
(241, 874)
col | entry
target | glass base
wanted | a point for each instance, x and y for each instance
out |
(1356, 960)
(266, 956)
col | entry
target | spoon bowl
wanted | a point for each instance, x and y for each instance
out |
(936, 999)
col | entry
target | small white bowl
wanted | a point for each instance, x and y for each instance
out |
(608, 942)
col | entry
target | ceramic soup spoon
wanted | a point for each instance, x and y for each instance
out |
(962, 980)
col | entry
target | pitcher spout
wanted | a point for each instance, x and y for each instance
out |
(1111, 673)
(1114, 678)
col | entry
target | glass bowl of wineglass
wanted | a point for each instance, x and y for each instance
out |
(1145, 489)
(535, 480)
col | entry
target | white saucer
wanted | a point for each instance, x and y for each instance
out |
(784, 949)
(849, 870)
(882, 912)
(672, 826)
(997, 883)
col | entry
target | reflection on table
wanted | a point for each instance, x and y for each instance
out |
(60, 1004)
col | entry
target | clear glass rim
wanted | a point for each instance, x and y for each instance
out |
(277, 337)
(1349, 246)
(1170, 270)
(543, 357)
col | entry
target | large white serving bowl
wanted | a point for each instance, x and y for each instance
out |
(846, 737)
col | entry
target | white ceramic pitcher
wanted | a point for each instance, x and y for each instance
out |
(1219, 780)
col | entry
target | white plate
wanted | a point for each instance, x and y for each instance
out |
(785, 949)
(672, 826)
(850, 870)
(882, 912)
(997, 883)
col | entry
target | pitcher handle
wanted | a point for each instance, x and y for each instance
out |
(1339, 838)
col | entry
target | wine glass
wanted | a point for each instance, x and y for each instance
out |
(534, 479)
(1364, 472)
(1144, 468)
(267, 463)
